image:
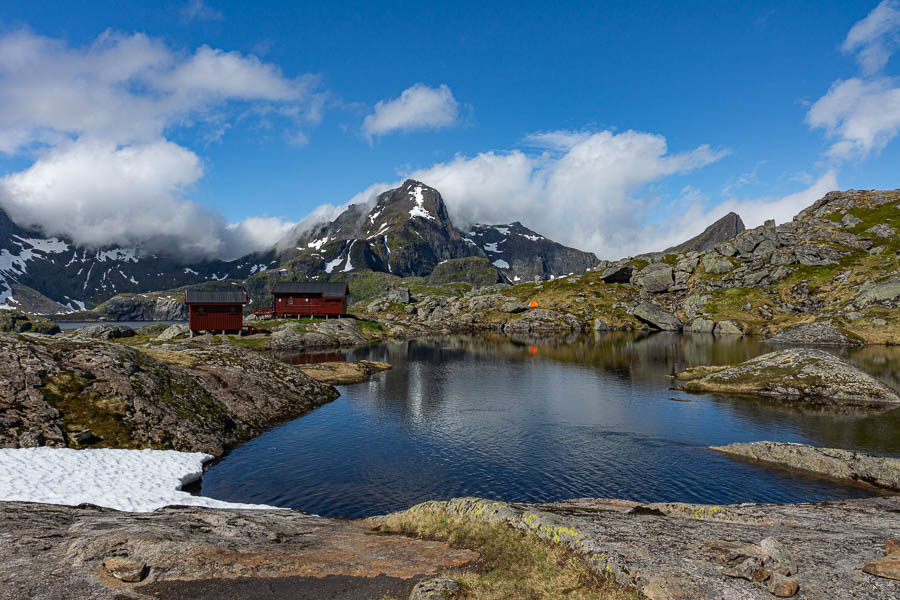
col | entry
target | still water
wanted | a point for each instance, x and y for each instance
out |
(540, 421)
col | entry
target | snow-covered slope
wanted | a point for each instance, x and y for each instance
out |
(522, 254)
(77, 278)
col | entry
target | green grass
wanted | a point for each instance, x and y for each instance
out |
(81, 409)
(513, 564)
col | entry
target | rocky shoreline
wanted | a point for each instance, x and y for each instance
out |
(665, 551)
(58, 391)
(834, 463)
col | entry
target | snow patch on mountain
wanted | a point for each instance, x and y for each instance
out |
(501, 264)
(419, 209)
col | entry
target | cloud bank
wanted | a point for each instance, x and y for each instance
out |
(418, 108)
(582, 189)
(95, 121)
(862, 114)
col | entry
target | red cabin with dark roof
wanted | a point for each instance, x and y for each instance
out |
(215, 310)
(309, 299)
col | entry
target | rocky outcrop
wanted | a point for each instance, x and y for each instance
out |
(656, 317)
(654, 278)
(51, 552)
(671, 551)
(834, 463)
(12, 321)
(198, 398)
(815, 334)
(541, 319)
(103, 332)
(722, 230)
(331, 333)
(796, 374)
(343, 373)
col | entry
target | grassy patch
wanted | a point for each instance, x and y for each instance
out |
(169, 357)
(252, 343)
(514, 564)
(82, 409)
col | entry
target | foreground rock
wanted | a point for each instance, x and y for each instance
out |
(816, 334)
(200, 398)
(343, 373)
(832, 462)
(672, 551)
(795, 374)
(50, 552)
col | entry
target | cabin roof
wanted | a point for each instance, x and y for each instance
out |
(328, 290)
(215, 296)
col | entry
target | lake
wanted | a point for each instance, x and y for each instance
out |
(544, 420)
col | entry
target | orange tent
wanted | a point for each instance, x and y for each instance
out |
(533, 304)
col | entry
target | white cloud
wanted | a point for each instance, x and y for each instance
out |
(862, 114)
(587, 194)
(198, 10)
(96, 119)
(875, 38)
(101, 194)
(418, 107)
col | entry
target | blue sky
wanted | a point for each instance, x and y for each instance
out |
(611, 126)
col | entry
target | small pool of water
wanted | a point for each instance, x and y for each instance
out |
(540, 421)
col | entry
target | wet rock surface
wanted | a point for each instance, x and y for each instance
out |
(835, 463)
(672, 551)
(56, 552)
(189, 397)
(796, 374)
(342, 373)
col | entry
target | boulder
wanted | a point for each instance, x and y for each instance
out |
(886, 293)
(398, 295)
(656, 317)
(702, 326)
(716, 264)
(834, 463)
(848, 221)
(654, 278)
(617, 274)
(514, 307)
(439, 588)
(173, 332)
(882, 230)
(814, 334)
(728, 328)
(794, 374)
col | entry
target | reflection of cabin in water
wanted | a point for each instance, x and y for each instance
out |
(215, 310)
(309, 299)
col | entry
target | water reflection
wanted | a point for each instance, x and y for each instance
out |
(541, 419)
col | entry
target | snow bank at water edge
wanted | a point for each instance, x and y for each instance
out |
(127, 480)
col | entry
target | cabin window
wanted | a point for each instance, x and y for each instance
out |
(290, 299)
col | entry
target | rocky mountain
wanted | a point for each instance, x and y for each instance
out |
(52, 275)
(522, 254)
(724, 229)
(408, 232)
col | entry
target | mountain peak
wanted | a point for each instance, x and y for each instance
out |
(723, 229)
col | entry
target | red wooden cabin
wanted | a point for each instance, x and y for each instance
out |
(309, 299)
(215, 310)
